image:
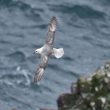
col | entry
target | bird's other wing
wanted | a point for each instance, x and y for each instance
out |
(41, 68)
(51, 31)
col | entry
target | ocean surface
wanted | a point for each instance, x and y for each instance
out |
(83, 31)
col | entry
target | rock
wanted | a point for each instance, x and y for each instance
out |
(90, 93)
(66, 101)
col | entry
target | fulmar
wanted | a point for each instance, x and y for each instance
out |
(47, 50)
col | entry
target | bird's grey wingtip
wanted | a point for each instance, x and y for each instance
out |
(53, 24)
(36, 81)
(54, 17)
(39, 74)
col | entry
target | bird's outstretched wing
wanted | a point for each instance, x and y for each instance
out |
(51, 31)
(40, 70)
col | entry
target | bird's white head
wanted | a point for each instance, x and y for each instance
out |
(38, 51)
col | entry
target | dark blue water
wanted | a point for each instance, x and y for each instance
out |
(83, 31)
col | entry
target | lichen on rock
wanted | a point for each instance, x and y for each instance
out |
(90, 93)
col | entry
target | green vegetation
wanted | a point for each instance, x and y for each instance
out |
(91, 93)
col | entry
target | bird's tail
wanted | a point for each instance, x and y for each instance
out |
(53, 24)
(38, 75)
(58, 53)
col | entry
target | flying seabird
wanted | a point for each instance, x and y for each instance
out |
(47, 50)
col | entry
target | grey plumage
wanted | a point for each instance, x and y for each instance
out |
(47, 50)
(51, 31)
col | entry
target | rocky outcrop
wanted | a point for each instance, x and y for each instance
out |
(90, 93)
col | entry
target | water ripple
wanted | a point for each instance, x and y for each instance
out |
(17, 56)
(82, 11)
(83, 32)
(20, 78)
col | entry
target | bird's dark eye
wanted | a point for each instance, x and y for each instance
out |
(36, 51)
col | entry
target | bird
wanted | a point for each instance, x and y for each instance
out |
(47, 50)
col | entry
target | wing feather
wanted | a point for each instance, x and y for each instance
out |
(51, 31)
(41, 68)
